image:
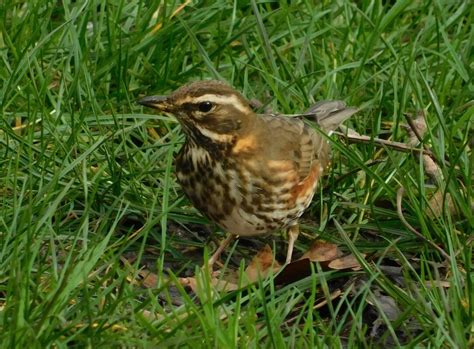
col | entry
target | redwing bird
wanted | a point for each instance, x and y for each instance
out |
(251, 174)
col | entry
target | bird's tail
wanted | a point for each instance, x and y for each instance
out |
(330, 114)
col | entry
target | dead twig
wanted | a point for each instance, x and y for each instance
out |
(383, 143)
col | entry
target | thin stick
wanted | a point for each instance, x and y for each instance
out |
(383, 143)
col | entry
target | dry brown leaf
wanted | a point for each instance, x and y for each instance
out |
(417, 128)
(322, 251)
(224, 285)
(435, 203)
(346, 262)
(262, 264)
(294, 271)
(190, 282)
(431, 168)
(149, 279)
(218, 283)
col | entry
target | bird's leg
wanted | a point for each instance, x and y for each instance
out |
(293, 233)
(219, 250)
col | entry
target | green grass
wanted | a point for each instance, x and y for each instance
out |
(86, 175)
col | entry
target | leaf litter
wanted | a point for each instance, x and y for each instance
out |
(380, 307)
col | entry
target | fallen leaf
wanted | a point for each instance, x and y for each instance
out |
(294, 271)
(262, 264)
(224, 285)
(436, 204)
(386, 304)
(432, 169)
(149, 279)
(221, 284)
(346, 262)
(322, 251)
(190, 282)
(417, 126)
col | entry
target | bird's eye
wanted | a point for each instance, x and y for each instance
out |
(205, 106)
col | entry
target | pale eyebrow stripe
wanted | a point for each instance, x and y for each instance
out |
(213, 135)
(218, 99)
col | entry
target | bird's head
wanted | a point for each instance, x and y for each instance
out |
(211, 109)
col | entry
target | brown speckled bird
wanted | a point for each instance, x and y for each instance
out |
(251, 174)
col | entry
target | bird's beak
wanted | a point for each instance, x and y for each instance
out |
(156, 102)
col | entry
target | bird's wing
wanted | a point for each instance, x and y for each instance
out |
(291, 140)
(330, 114)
